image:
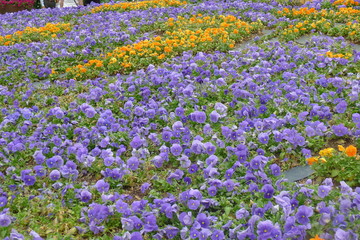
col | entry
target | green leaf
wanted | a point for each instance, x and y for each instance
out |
(227, 210)
(334, 173)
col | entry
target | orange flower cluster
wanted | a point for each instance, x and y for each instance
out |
(129, 6)
(301, 28)
(338, 55)
(31, 34)
(345, 13)
(350, 30)
(297, 12)
(350, 151)
(214, 33)
(346, 3)
(317, 238)
(92, 63)
(348, 11)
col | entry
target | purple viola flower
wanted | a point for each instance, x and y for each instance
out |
(133, 163)
(339, 220)
(122, 207)
(54, 175)
(204, 234)
(356, 117)
(229, 173)
(186, 218)
(104, 142)
(179, 111)
(137, 222)
(241, 213)
(55, 162)
(310, 131)
(150, 223)
(265, 229)
(85, 196)
(209, 148)
(198, 116)
(136, 236)
(139, 111)
(325, 218)
(40, 171)
(35, 235)
(193, 204)
(178, 174)
(127, 224)
(214, 116)
(229, 185)
(345, 205)
(323, 190)
(268, 191)
(171, 232)
(203, 220)
(158, 161)
(328, 182)
(26, 113)
(194, 234)
(102, 186)
(187, 180)
(136, 142)
(108, 161)
(340, 130)
(16, 235)
(303, 214)
(341, 106)
(342, 235)
(197, 147)
(166, 136)
(275, 170)
(29, 180)
(3, 201)
(176, 149)
(263, 138)
(212, 191)
(217, 235)
(193, 168)
(39, 157)
(89, 112)
(257, 162)
(144, 187)
(5, 220)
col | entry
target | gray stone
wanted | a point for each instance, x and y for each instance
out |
(298, 173)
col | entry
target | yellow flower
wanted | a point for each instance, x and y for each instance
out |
(341, 148)
(327, 152)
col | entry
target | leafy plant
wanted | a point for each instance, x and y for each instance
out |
(341, 164)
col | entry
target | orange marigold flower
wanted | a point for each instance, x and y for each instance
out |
(162, 56)
(311, 160)
(317, 238)
(351, 151)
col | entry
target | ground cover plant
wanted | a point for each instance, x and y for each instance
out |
(176, 120)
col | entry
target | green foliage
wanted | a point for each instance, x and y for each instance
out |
(339, 165)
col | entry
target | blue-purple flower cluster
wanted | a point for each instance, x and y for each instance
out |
(190, 149)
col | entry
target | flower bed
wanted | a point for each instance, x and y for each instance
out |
(13, 5)
(191, 143)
